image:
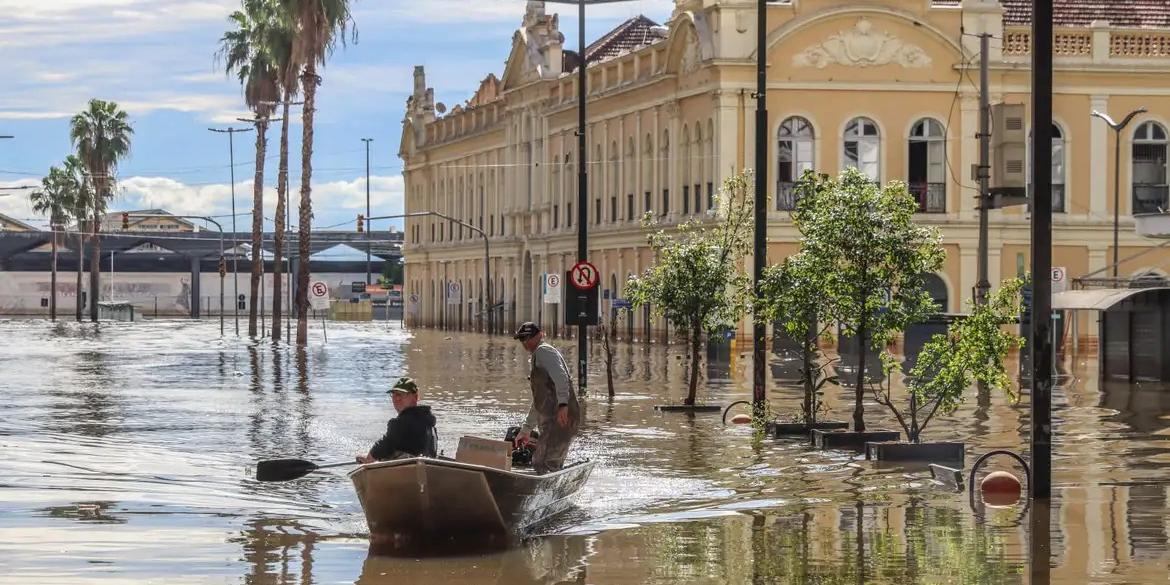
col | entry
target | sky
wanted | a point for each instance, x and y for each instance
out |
(156, 59)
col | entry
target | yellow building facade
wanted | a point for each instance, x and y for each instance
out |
(888, 86)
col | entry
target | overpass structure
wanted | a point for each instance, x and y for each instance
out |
(194, 253)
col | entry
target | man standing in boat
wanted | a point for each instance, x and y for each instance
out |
(412, 433)
(555, 410)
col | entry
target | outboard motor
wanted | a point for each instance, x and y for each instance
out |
(521, 456)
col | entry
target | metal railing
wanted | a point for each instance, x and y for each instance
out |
(932, 197)
(785, 195)
(1150, 198)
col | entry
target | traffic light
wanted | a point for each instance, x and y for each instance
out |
(125, 221)
(361, 223)
(222, 267)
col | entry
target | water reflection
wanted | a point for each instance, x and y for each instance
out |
(152, 428)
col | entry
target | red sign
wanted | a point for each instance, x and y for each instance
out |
(584, 276)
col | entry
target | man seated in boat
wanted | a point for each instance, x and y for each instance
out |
(410, 434)
(555, 410)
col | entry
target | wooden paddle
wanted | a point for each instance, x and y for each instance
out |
(288, 469)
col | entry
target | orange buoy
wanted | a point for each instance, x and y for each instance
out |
(741, 419)
(1000, 488)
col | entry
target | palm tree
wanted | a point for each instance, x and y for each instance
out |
(79, 213)
(101, 135)
(289, 86)
(318, 26)
(56, 199)
(252, 52)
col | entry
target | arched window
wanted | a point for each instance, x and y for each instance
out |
(570, 189)
(863, 147)
(648, 174)
(685, 171)
(1149, 168)
(1058, 192)
(696, 164)
(631, 172)
(615, 173)
(664, 171)
(709, 165)
(927, 172)
(795, 156)
(937, 288)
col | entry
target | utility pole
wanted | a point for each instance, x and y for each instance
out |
(1040, 484)
(231, 132)
(983, 172)
(368, 227)
(582, 186)
(760, 252)
(1041, 341)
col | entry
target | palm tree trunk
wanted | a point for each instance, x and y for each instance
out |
(278, 247)
(257, 225)
(95, 268)
(53, 278)
(309, 82)
(80, 264)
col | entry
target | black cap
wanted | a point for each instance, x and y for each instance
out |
(526, 331)
(404, 385)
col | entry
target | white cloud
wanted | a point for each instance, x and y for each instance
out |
(15, 203)
(334, 202)
(24, 115)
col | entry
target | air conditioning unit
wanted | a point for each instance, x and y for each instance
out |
(1009, 149)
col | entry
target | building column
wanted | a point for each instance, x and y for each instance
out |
(726, 138)
(968, 270)
(968, 156)
(1098, 158)
(195, 277)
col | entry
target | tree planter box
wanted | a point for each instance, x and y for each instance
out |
(689, 408)
(919, 452)
(778, 429)
(851, 439)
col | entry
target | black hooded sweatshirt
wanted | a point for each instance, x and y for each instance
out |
(411, 434)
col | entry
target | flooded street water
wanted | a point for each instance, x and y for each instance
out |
(128, 454)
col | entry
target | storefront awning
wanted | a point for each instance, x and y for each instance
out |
(1095, 300)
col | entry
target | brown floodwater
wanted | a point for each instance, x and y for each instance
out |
(127, 454)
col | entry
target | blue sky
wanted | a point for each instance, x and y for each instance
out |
(156, 59)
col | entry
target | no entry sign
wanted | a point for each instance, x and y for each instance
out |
(584, 275)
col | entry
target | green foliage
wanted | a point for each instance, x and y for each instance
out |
(58, 196)
(972, 350)
(698, 282)
(391, 274)
(865, 257)
(257, 50)
(101, 135)
(790, 295)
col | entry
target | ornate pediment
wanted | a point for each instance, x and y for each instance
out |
(862, 46)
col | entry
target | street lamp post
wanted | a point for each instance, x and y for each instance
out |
(760, 248)
(487, 254)
(231, 132)
(368, 227)
(1117, 128)
(582, 178)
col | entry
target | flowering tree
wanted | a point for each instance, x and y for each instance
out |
(790, 296)
(698, 282)
(868, 256)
